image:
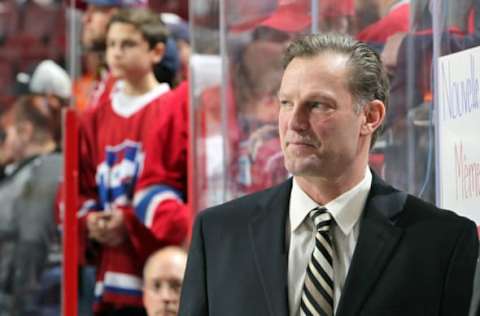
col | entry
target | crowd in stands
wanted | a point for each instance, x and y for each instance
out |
(132, 95)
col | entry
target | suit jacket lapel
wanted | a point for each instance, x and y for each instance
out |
(267, 235)
(378, 237)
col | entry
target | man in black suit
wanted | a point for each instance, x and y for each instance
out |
(334, 239)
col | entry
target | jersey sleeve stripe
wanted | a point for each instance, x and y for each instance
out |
(147, 200)
(87, 206)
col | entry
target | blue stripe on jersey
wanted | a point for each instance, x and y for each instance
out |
(103, 193)
(88, 206)
(117, 290)
(142, 205)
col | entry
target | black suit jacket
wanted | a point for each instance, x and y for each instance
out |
(411, 258)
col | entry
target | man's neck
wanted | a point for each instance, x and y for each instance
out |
(323, 189)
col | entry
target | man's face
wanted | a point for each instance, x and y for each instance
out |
(128, 53)
(162, 285)
(95, 21)
(319, 128)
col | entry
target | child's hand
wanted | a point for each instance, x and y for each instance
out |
(107, 227)
(95, 226)
(115, 231)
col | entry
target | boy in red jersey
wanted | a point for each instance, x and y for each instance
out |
(133, 164)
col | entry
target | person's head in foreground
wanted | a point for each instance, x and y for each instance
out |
(162, 281)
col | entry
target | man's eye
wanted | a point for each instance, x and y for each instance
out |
(175, 286)
(317, 105)
(284, 103)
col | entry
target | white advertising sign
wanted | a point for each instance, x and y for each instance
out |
(459, 132)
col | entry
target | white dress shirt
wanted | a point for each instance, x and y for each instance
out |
(346, 211)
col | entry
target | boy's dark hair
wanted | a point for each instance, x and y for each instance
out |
(147, 22)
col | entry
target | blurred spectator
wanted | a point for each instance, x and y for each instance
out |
(409, 121)
(395, 20)
(27, 228)
(53, 83)
(251, 143)
(84, 86)
(289, 16)
(179, 7)
(180, 33)
(166, 70)
(50, 79)
(336, 16)
(96, 18)
(24, 41)
(162, 281)
(255, 82)
(133, 149)
(367, 12)
(96, 83)
(6, 153)
(254, 155)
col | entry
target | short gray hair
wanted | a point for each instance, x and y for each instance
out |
(368, 78)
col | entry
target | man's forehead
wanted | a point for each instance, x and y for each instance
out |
(164, 277)
(316, 65)
(330, 56)
(308, 78)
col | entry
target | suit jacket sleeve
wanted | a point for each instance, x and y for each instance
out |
(194, 301)
(459, 279)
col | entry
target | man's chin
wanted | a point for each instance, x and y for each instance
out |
(302, 169)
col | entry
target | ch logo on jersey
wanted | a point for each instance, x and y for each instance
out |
(117, 174)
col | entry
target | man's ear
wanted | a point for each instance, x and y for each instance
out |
(374, 112)
(157, 52)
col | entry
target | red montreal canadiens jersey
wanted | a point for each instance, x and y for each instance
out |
(134, 158)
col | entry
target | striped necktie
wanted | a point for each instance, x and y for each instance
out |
(317, 295)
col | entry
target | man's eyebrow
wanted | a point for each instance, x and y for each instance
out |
(312, 95)
(319, 96)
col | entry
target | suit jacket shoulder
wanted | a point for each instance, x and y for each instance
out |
(245, 209)
(422, 210)
(412, 258)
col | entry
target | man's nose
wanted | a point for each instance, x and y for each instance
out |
(298, 119)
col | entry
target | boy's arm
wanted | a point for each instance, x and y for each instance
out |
(170, 226)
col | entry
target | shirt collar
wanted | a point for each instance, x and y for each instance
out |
(345, 209)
